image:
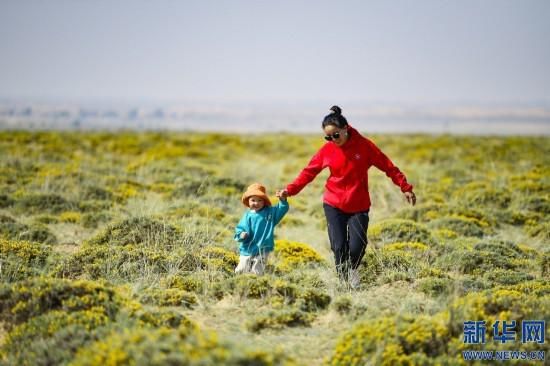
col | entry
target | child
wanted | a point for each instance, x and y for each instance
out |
(255, 230)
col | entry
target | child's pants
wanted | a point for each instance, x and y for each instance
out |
(252, 264)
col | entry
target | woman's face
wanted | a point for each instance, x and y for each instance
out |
(337, 135)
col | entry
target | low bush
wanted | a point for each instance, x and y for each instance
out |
(20, 260)
(12, 229)
(94, 219)
(53, 338)
(461, 225)
(507, 277)
(190, 283)
(124, 264)
(398, 230)
(290, 255)
(71, 217)
(485, 256)
(168, 297)
(96, 193)
(278, 319)
(6, 201)
(539, 204)
(342, 304)
(482, 194)
(165, 346)
(270, 288)
(219, 259)
(23, 300)
(44, 203)
(540, 231)
(168, 318)
(383, 266)
(435, 286)
(142, 231)
(438, 339)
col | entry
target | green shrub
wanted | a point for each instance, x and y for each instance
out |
(164, 318)
(142, 231)
(485, 256)
(140, 248)
(469, 283)
(12, 229)
(290, 255)
(71, 217)
(435, 286)
(127, 263)
(507, 277)
(384, 266)
(278, 290)
(539, 204)
(278, 319)
(437, 339)
(96, 193)
(219, 259)
(312, 299)
(23, 300)
(46, 219)
(20, 260)
(461, 225)
(164, 346)
(93, 206)
(189, 283)
(168, 297)
(343, 304)
(52, 338)
(422, 212)
(94, 219)
(6, 201)
(398, 230)
(545, 264)
(541, 231)
(49, 203)
(481, 194)
(249, 286)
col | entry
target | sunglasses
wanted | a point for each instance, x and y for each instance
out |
(334, 136)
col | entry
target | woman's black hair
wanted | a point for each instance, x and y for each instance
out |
(335, 118)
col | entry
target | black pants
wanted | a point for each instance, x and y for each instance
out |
(348, 237)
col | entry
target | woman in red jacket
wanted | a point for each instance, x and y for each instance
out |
(346, 201)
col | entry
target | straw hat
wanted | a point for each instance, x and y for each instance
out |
(255, 189)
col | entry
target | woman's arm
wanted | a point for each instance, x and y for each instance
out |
(382, 162)
(307, 174)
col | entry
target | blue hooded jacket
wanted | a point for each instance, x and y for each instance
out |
(260, 227)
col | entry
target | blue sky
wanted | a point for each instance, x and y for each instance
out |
(389, 51)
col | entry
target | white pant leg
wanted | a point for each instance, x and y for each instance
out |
(245, 264)
(258, 263)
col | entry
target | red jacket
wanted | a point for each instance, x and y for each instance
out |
(347, 187)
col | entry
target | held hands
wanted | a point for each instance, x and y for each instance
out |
(411, 197)
(243, 235)
(282, 194)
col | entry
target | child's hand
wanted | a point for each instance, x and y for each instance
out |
(244, 235)
(282, 194)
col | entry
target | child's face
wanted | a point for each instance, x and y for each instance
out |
(256, 203)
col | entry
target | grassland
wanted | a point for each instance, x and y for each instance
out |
(116, 248)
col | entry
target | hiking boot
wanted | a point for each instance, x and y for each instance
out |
(354, 279)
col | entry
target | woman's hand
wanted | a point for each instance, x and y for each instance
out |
(244, 235)
(411, 197)
(282, 194)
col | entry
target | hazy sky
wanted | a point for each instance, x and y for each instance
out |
(408, 51)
